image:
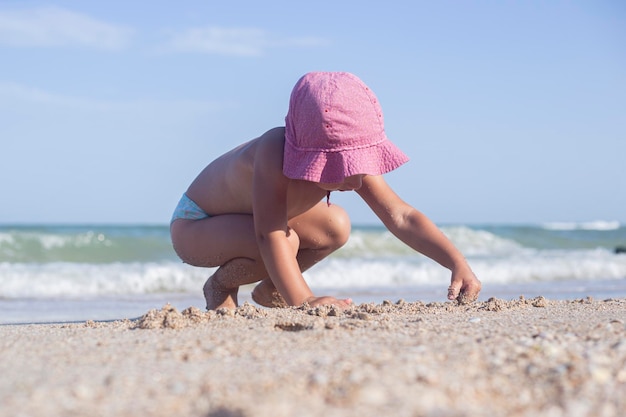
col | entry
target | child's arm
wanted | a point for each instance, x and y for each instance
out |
(277, 242)
(421, 234)
(269, 198)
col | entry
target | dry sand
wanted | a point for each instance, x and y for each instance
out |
(494, 358)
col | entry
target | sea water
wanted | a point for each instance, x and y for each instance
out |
(57, 273)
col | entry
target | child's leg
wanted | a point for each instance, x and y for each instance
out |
(221, 289)
(227, 241)
(322, 230)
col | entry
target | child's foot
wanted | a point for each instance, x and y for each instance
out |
(217, 297)
(267, 295)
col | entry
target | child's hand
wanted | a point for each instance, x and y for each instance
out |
(327, 300)
(465, 287)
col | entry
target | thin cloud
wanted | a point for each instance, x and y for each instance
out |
(234, 41)
(56, 27)
(12, 93)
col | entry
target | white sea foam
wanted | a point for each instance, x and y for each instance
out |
(600, 225)
(64, 279)
(481, 243)
(6, 238)
(376, 244)
(526, 267)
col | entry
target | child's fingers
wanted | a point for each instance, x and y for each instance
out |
(464, 288)
(344, 303)
(453, 290)
(464, 294)
(327, 300)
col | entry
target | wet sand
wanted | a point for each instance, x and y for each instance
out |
(524, 357)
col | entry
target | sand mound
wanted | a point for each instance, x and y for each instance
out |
(298, 318)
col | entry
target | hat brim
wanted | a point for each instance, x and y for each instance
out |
(333, 167)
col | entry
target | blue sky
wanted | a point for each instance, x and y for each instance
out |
(511, 111)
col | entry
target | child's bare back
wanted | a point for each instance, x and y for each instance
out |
(226, 184)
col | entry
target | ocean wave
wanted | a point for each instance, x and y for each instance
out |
(92, 261)
(380, 244)
(63, 279)
(481, 243)
(85, 246)
(115, 245)
(526, 267)
(106, 244)
(599, 225)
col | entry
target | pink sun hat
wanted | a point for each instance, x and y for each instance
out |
(335, 129)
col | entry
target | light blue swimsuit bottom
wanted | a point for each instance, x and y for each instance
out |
(188, 209)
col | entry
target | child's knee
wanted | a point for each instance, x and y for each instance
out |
(339, 229)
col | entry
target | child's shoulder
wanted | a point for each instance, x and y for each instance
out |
(265, 153)
(276, 134)
(270, 142)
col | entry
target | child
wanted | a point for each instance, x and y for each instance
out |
(258, 212)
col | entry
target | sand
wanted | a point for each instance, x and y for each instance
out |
(526, 357)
